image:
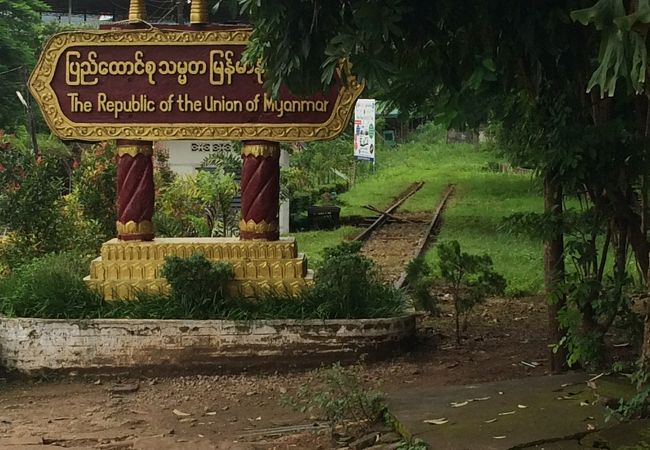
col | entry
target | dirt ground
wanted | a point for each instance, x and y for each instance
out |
(393, 244)
(505, 340)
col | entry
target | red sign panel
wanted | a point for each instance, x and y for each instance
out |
(163, 84)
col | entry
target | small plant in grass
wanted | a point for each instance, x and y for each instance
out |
(337, 394)
(471, 278)
(419, 279)
(197, 278)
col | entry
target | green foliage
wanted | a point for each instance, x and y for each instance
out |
(348, 285)
(34, 211)
(20, 25)
(419, 278)
(198, 205)
(639, 404)
(30, 192)
(95, 186)
(320, 159)
(471, 278)
(337, 394)
(196, 278)
(50, 287)
(623, 54)
(416, 444)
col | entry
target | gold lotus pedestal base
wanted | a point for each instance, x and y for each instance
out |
(126, 267)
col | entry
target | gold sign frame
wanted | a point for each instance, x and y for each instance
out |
(43, 74)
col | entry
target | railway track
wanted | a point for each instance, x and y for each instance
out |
(394, 238)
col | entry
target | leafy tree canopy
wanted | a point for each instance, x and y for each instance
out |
(20, 30)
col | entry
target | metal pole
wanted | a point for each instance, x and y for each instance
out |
(69, 11)
(30, 114)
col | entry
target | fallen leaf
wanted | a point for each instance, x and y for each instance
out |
(522, 406)
(622, 344)
(590, 427)
(480, 399)
(458, 404)
(507, 413)
(180, 413)
(585, 403)
(440, 421)
(491, 420)
(211, 413)
(499, 437)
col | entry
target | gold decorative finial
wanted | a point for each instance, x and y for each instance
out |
(137, 10)
(199, 12)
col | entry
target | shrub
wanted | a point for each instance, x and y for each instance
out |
(419, 279)
(338, 395)
(50, 287)
(95, 186)
(196, 278)
(30, 190)
(348, 285)
(471, 277)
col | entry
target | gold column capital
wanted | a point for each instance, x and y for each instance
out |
(137, 10)
(265, 149)
(135, 149)
(199, 12)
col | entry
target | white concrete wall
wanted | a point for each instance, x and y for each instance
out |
(104, 345)
(186, 156)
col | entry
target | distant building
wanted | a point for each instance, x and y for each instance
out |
(186, 157)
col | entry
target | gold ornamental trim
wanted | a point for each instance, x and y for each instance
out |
(266, 150)
(134, 150)
(257, 227)
(64, 128)
(133, 227)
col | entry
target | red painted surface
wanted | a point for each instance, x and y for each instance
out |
(138, 89)
(135, 191)
(260, 194)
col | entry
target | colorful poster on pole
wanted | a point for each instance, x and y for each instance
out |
(364, 130)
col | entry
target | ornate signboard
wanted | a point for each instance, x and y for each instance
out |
(174, 84)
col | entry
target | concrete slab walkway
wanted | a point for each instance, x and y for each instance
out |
(549, 412)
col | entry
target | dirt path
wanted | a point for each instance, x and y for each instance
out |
(392, 246)
(226, 412)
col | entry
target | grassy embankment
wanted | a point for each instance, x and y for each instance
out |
(482, 200)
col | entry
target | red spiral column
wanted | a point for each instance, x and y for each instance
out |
(260, 191)
(135, 190)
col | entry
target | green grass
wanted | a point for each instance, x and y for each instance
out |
(312, 243)
(474, 216)
(481, 202)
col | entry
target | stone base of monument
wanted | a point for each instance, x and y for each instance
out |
(126, 267)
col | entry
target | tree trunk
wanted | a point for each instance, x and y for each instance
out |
(645, 349)
(554, 272)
